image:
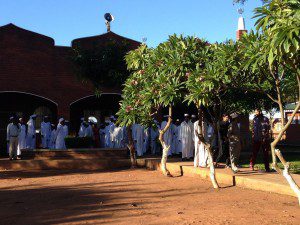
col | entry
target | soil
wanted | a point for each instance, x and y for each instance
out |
(134, 197)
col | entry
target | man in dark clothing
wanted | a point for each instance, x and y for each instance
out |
(225, 144)
(261, 139)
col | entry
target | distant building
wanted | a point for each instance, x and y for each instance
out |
(292, 135)
(37, 77)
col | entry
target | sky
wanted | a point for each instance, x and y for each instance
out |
(66, 20)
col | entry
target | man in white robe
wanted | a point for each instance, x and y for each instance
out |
(81, 131)
(168, 135)
(201, 156)
(45, 132)
(31, 132)
(66, 127)
(112, 127)
(9, 124)
(102, 135)
(186, 138)
(118, 137)
(13, 131)
(138, 138)
(22, 137)
(107, 135)
(60, 135)
(88, 131)
(52, 137)
(176, 141)
(146, 139)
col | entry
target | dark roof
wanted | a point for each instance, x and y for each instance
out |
(26, 33)
(98, 39)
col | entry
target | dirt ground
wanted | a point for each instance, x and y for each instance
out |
(134, 197)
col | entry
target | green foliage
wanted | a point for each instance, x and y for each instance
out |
(216, 83)
(158, 77)
(280, 20)
(271, 56)
(103, 65)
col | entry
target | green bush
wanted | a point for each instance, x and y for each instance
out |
(79, 142)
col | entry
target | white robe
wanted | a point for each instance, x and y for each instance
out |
(146, 140)
(138, 138)
(81, 130)
(168, 136)
(7, 138)
(112, 127)
(201, 156)
(46, 133)
(66, 129)
(31, 134)
(154, 137)
(88, 132)
(107, 136)
(22, 139)
(52, 139)
(60, 137)
(118, 137)
(102, 137)
(185, 136)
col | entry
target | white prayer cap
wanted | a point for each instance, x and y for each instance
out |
(46, 117)
(67, 121)
(193, 116)
(11, 118)
(186, 115)
(93, 120)
(166, 116)
(177, 120)
(60, 120)
(33, 116)
(112, 117)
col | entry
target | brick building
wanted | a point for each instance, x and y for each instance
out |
(36, 76)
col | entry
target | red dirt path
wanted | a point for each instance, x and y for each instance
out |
(134, 197)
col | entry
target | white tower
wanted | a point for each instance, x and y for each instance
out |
(241, 25)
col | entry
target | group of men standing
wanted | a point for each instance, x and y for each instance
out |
(182, 137)
(107, 135)
(22, 135)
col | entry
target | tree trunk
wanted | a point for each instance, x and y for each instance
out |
(131, 148)
(165, 147)
(208, 149)
(285, 173)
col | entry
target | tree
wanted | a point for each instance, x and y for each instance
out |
(215, 88)
(272, 59)
(103, 65)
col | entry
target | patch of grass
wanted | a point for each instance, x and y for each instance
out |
(290, 154)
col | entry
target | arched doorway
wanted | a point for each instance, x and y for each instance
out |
(100, 107)
(23, 105)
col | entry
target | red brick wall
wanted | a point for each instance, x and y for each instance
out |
(31, 63)
(240, 33)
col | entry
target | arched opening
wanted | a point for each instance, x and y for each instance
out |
(23, 105)
(100, 107)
